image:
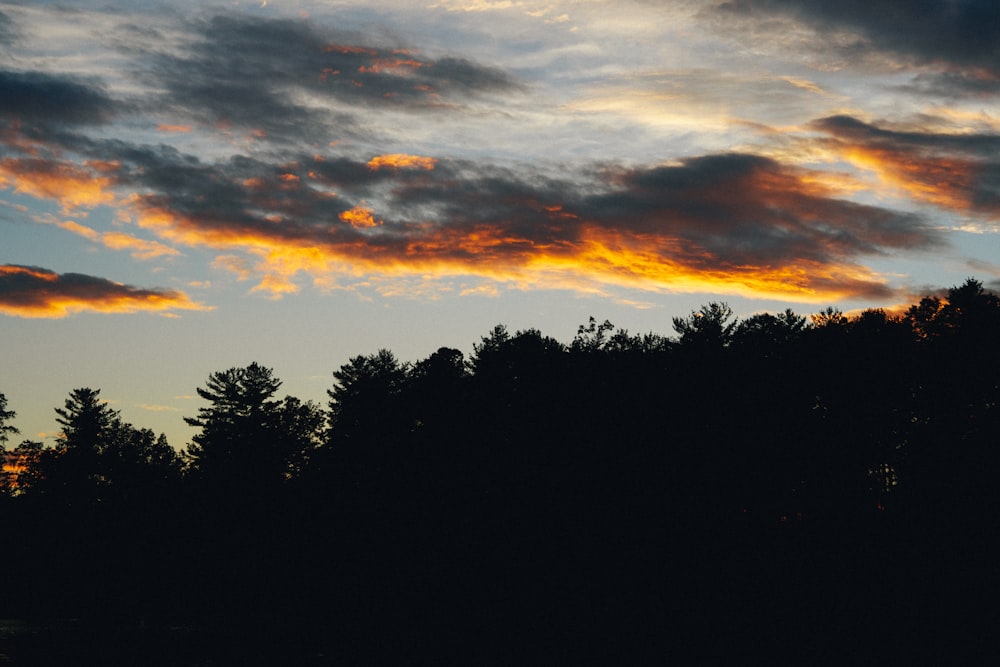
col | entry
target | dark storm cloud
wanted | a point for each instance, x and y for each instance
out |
(955, 171)
(31, 98)
(281, 76)
(947, 34)
(30, 291)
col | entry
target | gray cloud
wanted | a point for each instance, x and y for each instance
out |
(32, 98)
(979, 145)
(959, 38)
(8, 29)
(746, 208)
(956, 171)
(282, 76)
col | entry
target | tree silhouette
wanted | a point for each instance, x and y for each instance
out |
(970, 307)
(99, 457)
(436, 387)
(21, 471)
(593, 337)
(137, 463)
(249, 442)
(710, 326)
(364, 389)
(84, 419)
(765, 331)
(370, 424)
(923, 318)
(72, 469)
(6, 429)
(437, 390)
(952, 459)
(830, 317)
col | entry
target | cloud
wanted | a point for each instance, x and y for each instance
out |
(157, 408)
(8, 29)
(954, 171)
(31, 98)
(73, 185)
(287, 80)
(733, 223)
(139, 248)
(281, 211)
(360, 216)
(401, 161)
(959, 40)
(476, 5)
(690, 99)
(235, 265)
(32, 292)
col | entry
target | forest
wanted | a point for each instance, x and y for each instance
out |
(740, 489)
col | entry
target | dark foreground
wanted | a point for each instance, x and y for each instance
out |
(757, 593)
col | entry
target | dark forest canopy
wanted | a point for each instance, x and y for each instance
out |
(526, 469)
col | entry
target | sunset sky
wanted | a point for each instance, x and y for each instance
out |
(191, 186)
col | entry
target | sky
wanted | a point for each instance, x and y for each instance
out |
(187, 187)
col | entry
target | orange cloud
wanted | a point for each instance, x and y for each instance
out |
(736, 224)
(360, 217)
(401, 161)
(952, 171)
(73, 186)
(32, 292)
(235, 265)
(81, 230)
(949, 183)
(277, 285)
(140, 248)
(349, 50)
(634, 261)
(157, 408)
(192, 231)
(173, 128)
(383, 64)
(8, 270)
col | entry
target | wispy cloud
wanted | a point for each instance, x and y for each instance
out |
(157, 408)
(138, 248)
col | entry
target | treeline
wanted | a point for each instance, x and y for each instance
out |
(777, 475)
